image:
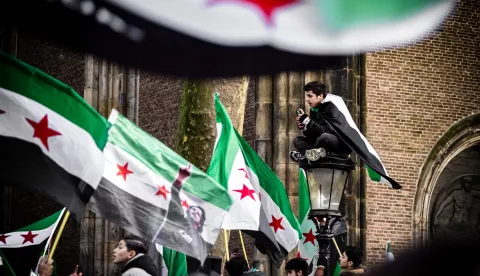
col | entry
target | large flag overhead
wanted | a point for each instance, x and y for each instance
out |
(308, 245)
(152, 192)
(51, 140)
(227, 37)
(335, 112)
(261, 207)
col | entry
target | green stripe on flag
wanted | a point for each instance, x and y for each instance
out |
(6, 268)
(30, 82)
(341, 14)
(373, 175)
(176, 262)
(303, 196)
(270, 183)
(226, 148)
(164, 161)
(42, 224)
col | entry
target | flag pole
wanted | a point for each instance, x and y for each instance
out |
(336, 246)
(57, 237)
(226, 244)
(49, 241)
(243, 246)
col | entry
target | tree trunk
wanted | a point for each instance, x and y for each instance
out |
(197, 131)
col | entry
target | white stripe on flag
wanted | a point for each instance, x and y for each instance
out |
(74, 150)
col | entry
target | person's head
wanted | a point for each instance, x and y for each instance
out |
(351, 258)
(258, 265)
(467, 183)
(129, 247)
(297, 267)
(236, 266)
(197, 217)
(315, 92)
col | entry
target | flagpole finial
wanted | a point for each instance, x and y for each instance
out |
(217, 93)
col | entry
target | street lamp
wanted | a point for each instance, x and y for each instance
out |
(327, 175)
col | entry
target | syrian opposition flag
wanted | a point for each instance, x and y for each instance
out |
(26, 244)
(335, 112)
(154, 193)
(51, 140)
(227, 37)
(261, 207)
(308, 245)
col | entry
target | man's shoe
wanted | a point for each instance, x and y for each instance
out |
(315, 154)
(296, 156)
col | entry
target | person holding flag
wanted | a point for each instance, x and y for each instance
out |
(330, 126)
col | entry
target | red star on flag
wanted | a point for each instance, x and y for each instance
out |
(309, 237)
(276, 224)
(123, 171)
(42, 131)
(185, 204)
(267, 8)
(245, 191)
(3, 238)
(298, 256)
(28, 237)
(162, 191)
(245, 171)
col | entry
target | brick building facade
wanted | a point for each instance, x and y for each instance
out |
(413, 97)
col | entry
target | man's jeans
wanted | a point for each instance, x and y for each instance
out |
(330, 142)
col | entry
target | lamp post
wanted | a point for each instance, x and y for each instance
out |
(327, 175)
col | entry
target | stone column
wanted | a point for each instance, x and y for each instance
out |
(107, 86)
(263, 139)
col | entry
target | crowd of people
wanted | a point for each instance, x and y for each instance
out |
(131, 255)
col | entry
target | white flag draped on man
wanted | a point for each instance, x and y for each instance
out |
(261, 207)
(334, 110)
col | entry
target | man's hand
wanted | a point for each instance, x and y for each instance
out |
(45, 268)
(300, 125)
(75, 272)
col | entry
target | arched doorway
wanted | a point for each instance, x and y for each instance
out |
(448, 190)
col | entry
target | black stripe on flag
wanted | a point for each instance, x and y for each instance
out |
(126, 210)
(265, 241)
(23, 163)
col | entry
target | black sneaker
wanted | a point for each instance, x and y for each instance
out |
(296, 156)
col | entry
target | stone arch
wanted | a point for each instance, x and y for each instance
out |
(460, 136)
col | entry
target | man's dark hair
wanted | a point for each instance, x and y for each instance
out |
(297, 264)
(256, 264)
(316, 87)
(354, 255)
(136, 244)
(236, 266)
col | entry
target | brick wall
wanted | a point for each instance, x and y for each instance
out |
(159, 103)
(27, 206)
(413, 95)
